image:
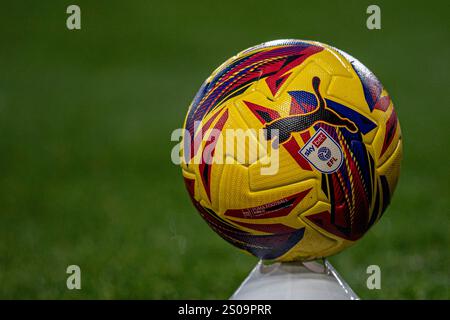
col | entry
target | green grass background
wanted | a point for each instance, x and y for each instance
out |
(85, 123)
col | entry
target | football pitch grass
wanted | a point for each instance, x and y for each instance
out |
(85, 124)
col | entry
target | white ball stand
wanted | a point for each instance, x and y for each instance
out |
(294, 281)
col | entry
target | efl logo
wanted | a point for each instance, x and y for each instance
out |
(323, 152)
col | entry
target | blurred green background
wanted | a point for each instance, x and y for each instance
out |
(85, 123)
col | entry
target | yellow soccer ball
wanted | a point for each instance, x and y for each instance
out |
(291, 150)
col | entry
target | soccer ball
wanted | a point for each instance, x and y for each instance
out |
(325, 166)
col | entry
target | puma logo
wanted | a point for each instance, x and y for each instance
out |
(301, 122)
